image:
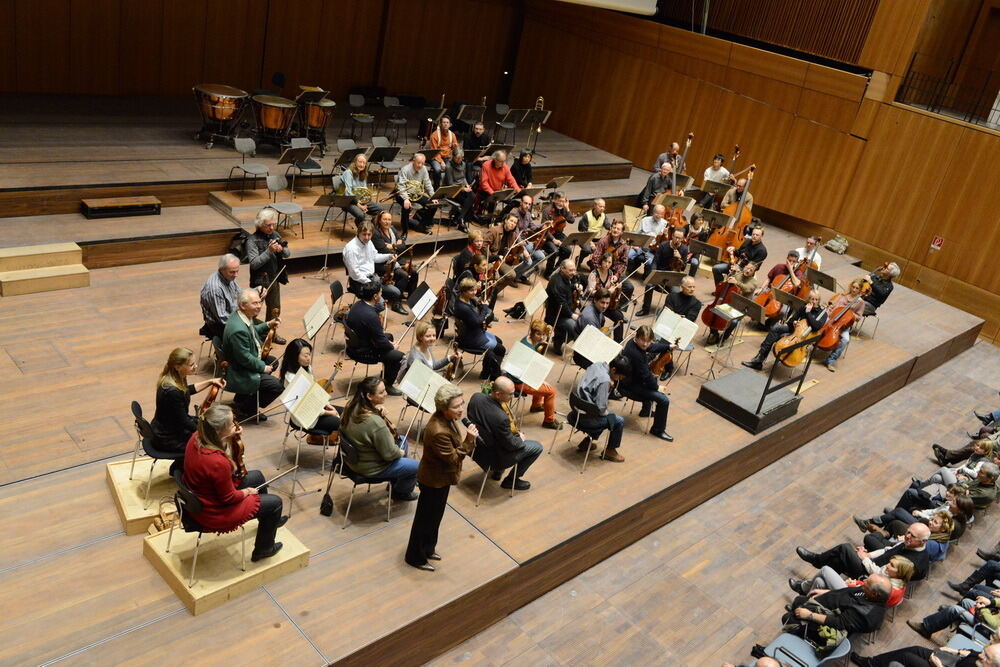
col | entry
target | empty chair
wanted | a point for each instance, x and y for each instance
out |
(358, 119)
(277, 183)
(308, 167)
(504, 128)
(246, 146)
(394, 120)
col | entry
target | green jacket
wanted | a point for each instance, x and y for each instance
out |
(245, 364)
(376, 446)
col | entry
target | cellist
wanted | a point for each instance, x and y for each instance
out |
(786, 276)
(752, 250)
(813, 313)
(746, 282)
(854, 299)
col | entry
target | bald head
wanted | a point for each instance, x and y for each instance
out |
(659, 211)
(503, 384)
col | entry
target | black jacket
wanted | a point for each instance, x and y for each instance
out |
(855, 612)
(683, 305)
(639, 360)
(472, 318)
(363, 319)
(498, 445)
(748, 252)
(560, 298)
(172, 424)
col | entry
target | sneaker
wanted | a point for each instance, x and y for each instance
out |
(613, 456)
(555, 425)
(832, 367)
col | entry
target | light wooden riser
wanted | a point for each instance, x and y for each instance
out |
(39, 256)
(30, 281)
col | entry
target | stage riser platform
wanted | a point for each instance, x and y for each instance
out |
(468, 615)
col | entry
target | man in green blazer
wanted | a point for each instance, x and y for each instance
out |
(249, 375)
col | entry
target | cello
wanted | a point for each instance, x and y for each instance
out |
(795, 357)
(723, 295)
(842, 317)
(730, 234)
(784, 283)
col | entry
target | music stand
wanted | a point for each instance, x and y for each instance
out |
(430, 153)
(678, 201)
(715, 219)
(820, 279)
(577, 239)
(788, 299)
(682, 181)
(558, 182)
(444, 195)
(341, 202)
(664, 280)
(637, 240)
(702, 249)
(731, 315)
(345, 158)
(494, 147)
(494, 199)
(754, 311)
(471, 113)
(532, 192)
(535, 118)
(297, 156)
(715, 188)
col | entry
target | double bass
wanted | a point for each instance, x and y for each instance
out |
(730, 234)
(675, 217)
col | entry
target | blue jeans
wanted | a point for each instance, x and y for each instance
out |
(693, 266)
(402, 472)
(945, 616)
(610, 422)
(537, 257)
(845, 338)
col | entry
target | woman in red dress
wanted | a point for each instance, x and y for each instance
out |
(229, 500)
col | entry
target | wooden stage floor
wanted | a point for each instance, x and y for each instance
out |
(75, 359)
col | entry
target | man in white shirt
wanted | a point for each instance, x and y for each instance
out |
(717, 172)
(652, 226)
(360, 258)
(415, 170)
(811, 252)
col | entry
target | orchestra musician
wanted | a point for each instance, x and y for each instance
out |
(229, 500)
(440, 467)
(652, 226)
(374, 344)
(684, 302)
(595, 221)
(744, 278)
(543, 399)
(671, 157)
(386, 242)
(495, 175)
(501, 240)
(381, 452)
(881, 282)
(603, 278)
(266, 253)
(697, 230)
(455, 174)
(475, 317)
(854, 298)
(353, 178)
(593, 314)
(736, 194)
(249, 376)
(557, 212)
(672, 255)
(751, 250)
(360, 258)
(172, 424)
(424, 337)
(810, 251)
(219, 296)
(299, 355)
(442, 139)
(415, 171)
(502, 445)
(613, 243)
(475, 246)
(479, 271)
(521, 171)
(715, 173)
(657, 183)
(594, 388)
(526, 224)
(813, 313)
(641, 385)
(787, 268)
(474, 143)
(561, 312)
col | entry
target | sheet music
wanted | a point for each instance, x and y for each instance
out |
(595, 346)
(535, 299)
(420, 384)
(527, 365)
(631, 215)
(425, 303)
(296, 389)
(669, 326)
(309, 407)
(316, 317)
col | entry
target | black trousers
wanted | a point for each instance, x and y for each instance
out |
(268, 390)
(424, 216)
(777, 332)
(426, 522)
(563, 253)
(267, 515)
(844, 560)
(464, 199)
(911, 656)
(565, 330)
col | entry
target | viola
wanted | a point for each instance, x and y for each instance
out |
(213, 390)
(451, 370)
(238, 451)
(731, 233)
(265, 349)
(664, 359)
(442, 301)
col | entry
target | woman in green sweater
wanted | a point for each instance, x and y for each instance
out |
(380, 453)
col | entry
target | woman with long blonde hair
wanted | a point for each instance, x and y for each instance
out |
(172, 424)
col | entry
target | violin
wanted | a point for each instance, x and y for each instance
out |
(237, 451)
(265, 349)
(327, 383)
(442, 301)
(731, 233)
(659, 365)
(575, 297)
(214, 390)
(451, 370)
(392, 429)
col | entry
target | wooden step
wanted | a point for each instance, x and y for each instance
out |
(45, 279)
(117, 207)
(39, 256)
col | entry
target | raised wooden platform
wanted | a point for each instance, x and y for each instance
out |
(135, 507)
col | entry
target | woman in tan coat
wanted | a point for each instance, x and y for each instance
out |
(440, 468)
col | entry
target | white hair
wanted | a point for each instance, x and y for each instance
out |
(228, 259)
(264, 216)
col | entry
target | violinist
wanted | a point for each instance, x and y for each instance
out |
(543, 399)
(562, 304)
(228, 499)
(299, 355)
(475, 246)
(594, 314)
(614, 244)
(172, 425)
(485, 288)
(752, 250)
(652, 226)
(672, 255)
(620, 293)
(501, 444)
(360, 257)
(475, 317)
(424, 337)
(381, 452)
(595, 221)
(521, 171)
(249, 376)
(697, 230)
(503, 245)
(526, 224)
(810, 251)
(659, 182)
(374, 344)
(684, 302)
(881, 282)
(746, 282)
(853, 299)
(384, 238)
(812, 312)
(641, 385)
(266, 253)
(551, 242)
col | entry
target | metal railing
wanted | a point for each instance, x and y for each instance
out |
(970, 94)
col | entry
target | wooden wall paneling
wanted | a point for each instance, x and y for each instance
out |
(764, 89)
(767, 64)
(347, 56)
(43, 38)
(294, 29)
(827, 109)
(865, 118)
(835, 82)
(94, 47)
(182, 51)
(141, 48)
(945, 31)
(893, 34)
(695, 55)
(8, 47)
(234, 42)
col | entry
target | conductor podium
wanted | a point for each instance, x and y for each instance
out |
(736, 397)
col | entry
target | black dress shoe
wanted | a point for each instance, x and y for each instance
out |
(282, 521)
(806, 555)
(939, 454)
(425, 566)
(400, 308)
(518, 484)
(463, 227)
(434, 556)
(754, 364)
(642, 313)
(796, 586)
(278, 340)
(524, 280)
(495, 475)
(256, 556)
(987, 555)
(392, 391)
(861, 523)
(663, 435)
(615, 395)
(986, 419)
(412, 495)
(958, 588)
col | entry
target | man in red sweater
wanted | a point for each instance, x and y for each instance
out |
(495, 176)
